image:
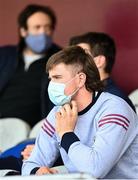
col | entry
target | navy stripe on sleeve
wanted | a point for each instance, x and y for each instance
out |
(68, 139)
(34, 170)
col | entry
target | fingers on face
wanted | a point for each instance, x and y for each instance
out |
(58, 115)
(74, 107)
(64, 110)
(67, 108)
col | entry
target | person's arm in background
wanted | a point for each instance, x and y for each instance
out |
(16, 150)
(12, 158)
(27, 151)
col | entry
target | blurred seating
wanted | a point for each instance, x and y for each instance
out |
(6, 171)
(12, 131)
(35, 130)
(134, 98)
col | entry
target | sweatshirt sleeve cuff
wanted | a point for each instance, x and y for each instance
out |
(34, 170)
(68, 139)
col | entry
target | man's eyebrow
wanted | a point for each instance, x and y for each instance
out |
(55, 76)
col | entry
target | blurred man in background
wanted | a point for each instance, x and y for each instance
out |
(22, 67)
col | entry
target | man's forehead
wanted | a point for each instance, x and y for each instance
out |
(64, 68)
(38, 18)
(60, 67)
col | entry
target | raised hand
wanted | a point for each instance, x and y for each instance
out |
(66, 118)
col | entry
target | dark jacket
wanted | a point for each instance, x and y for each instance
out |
(112, 88)
(8, 64)
(9, 60)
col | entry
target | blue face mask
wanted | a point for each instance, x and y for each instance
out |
(56, 93)
(38, 43)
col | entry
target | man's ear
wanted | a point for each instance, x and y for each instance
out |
(100, 61)
(82, 79)
(23, 32)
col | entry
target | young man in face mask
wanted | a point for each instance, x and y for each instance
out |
(95, 132)
(24, 65)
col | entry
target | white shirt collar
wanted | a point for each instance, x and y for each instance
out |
(28, 60)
